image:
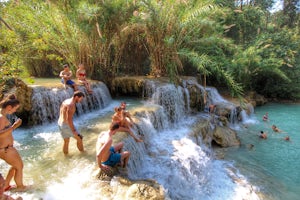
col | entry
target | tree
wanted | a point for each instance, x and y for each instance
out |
(290, 12)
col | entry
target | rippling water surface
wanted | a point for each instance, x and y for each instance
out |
(272, 164)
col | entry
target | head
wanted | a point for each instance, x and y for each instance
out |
(261, 132)
(81, 66)
(114, 127)
(66, 67)
(287, 138)
(123, 105)
(78, 96)
(10, 104)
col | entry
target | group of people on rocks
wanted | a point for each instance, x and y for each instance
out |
(264, 135)
(109, 155)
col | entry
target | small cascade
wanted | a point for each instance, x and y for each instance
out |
(46, 102)
(149, 88)
(155, 116)
(171, 98)
(234, 120)
(213, 96)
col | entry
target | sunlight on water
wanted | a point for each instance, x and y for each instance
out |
(271, 164)
(169, 155)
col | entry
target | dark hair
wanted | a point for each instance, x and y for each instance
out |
(114, 126)
(261, 132)
(66, 65)
(10, 100)
(78, 94)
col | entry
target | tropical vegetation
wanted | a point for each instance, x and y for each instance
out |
(239, 44)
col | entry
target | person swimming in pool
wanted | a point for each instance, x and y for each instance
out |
(263, 135)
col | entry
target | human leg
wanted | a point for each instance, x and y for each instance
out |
(66, 145)
(125, 158)
(79, 144)
(123, 129)
(66, 133)
(13, 158)
(118, 147)
(10, 175)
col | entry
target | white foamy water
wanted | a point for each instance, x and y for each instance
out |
(189, 171)
(185, 167)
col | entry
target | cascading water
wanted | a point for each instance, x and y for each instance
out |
(170, 154)
(175, 160)
(46, 102)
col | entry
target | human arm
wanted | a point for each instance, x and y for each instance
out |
(5, 129)
(70, 112)
(61, 74)
(77, 73)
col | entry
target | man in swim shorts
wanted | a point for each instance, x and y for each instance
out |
(66, 76)
(65, 121)
(110, 156)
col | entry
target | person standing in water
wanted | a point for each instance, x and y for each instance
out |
(266, 117)
(66, 124)
(8, 152)
(109, 156)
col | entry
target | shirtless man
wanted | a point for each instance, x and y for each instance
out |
(8, 152)
(66, 76)
(110, 156)
(126, 114)
(65, 121)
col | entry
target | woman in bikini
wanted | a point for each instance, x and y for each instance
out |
(7, 151)
(81, 77)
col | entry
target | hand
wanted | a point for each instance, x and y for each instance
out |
(79, 135)
(17, 123)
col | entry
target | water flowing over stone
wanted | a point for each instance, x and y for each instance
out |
(46, 102)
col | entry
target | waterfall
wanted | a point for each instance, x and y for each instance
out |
(172, 154)
(214, 97)
(178, 161)
(46, 102)
(171, 98)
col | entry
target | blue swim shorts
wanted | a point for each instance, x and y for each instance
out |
(65, 131)
(68, 82)
(114, 158)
